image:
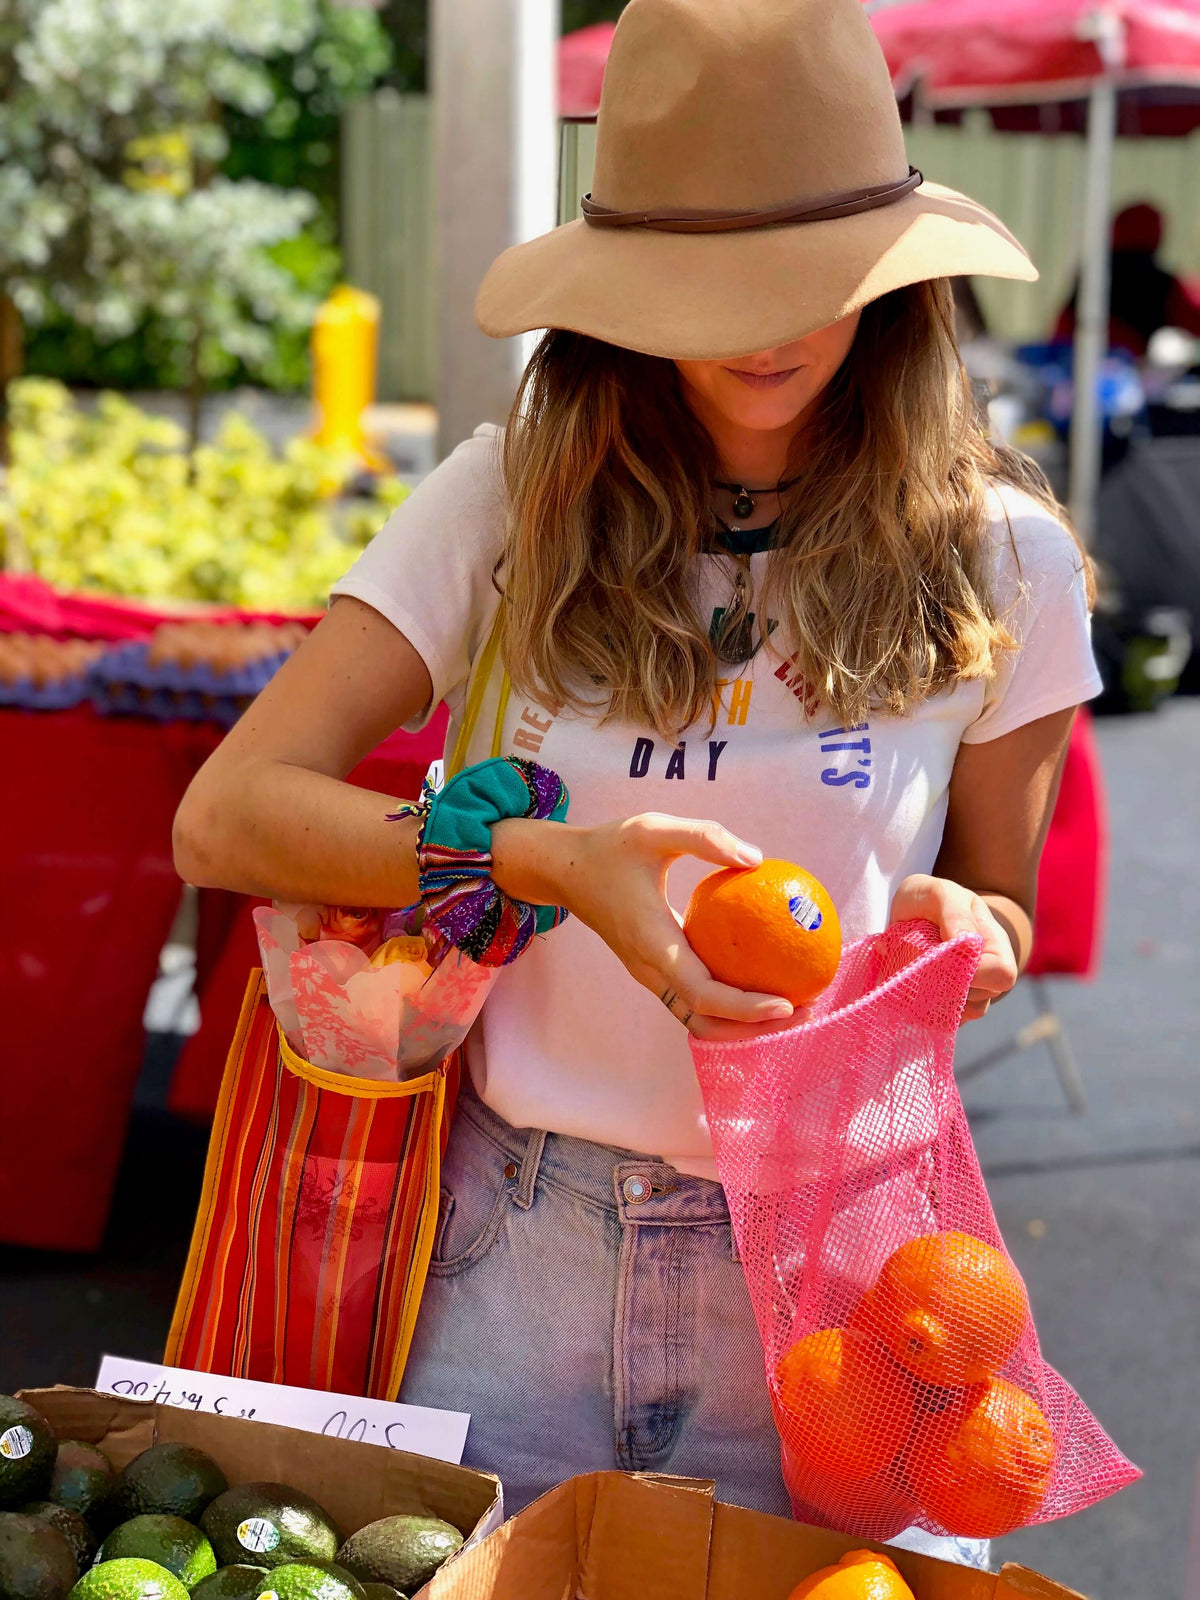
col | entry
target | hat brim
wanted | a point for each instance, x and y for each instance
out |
(713, 296)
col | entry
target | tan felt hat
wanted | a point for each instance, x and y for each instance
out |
(751, 185)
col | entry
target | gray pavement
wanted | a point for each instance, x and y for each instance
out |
(1102, 1211)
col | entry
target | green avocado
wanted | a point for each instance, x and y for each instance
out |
(237, 1582)
(403, 1551)
(335, 1571)
(128, 1579)
(269, 1525)
(27, 1448)
(307, 1580)
(382, 1591)
(172, 1542)
(70, 1524)
(82, 1480)
(36, 1562)
(170, 1479)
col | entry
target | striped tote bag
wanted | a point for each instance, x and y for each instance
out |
(320, 1198)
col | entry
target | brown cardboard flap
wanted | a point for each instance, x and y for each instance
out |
(533, 1557)
(122, 1428)
(649, 1537)
(356, 1483)
(1020, 1581)
(759, 1557)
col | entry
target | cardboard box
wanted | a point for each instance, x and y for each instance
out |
(356, 1483)
(629, 1536)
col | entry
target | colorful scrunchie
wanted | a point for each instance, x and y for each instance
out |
(454, 856)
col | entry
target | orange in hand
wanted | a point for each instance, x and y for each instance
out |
(859, 1575)
(982, 1468)
(949, 1308)
(841, 1405)
(771, 929)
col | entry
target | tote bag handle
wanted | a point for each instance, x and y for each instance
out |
(483, 672)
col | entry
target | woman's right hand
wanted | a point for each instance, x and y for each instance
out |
(613, 877)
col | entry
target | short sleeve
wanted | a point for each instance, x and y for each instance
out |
(1042, 590)
(429, 568)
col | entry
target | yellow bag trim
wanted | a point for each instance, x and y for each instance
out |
(481, 676)
(255, 987)
(347, 1084)
(426, 1234)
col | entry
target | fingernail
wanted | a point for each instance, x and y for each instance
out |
(778, 1008)
(749, 855)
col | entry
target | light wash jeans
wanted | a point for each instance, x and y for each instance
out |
(587, 1307)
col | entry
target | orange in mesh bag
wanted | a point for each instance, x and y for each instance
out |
(901, 1357)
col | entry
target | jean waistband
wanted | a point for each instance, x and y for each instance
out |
(642, 1189)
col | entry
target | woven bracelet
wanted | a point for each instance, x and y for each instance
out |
(463, 906)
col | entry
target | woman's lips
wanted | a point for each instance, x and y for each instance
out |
(763, 380)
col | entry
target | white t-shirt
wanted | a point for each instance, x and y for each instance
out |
(568, 1041)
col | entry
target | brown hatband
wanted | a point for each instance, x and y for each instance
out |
(669, 219)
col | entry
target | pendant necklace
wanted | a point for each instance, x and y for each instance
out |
(743, 498)
(733, 636)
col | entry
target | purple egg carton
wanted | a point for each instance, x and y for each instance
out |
(125, 682)
(25, 694)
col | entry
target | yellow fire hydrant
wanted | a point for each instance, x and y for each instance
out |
(345, 345)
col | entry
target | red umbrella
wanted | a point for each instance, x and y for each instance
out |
(997, 52)
(581, 58)
(1019, 56)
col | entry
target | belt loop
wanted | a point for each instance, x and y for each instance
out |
(530, 1163)
(733, 1248)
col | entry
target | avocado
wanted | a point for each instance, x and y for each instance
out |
(170, 1479)
(27, 1449)
(237, 1582)
(402, 1551)
(382, 1591)
(307, 1580)
(82, 1480)
(172, 1542)
(128, 1579)
(70, 1524)
(348, 1578)
(269, 1525)
(36, 1562)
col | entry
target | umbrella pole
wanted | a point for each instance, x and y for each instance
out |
(1091, 323)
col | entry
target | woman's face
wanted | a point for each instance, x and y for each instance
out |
(774, 389)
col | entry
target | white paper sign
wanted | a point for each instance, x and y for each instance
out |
(440, 1434)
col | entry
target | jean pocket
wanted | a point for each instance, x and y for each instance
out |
(469, 1222)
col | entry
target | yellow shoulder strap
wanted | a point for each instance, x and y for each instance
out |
(481, 675)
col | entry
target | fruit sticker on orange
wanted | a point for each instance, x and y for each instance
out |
(805, 912)
(15, 1442)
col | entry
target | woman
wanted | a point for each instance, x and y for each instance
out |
(762, 585)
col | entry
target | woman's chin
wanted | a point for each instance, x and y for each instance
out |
(766, 411)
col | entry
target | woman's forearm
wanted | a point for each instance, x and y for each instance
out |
(281, 831)
(1016, 922)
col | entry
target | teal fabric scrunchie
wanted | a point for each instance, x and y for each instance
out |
(454, 856)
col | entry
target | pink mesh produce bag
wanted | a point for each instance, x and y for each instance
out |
(901, 1356)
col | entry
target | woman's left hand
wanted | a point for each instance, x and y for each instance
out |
(957, 910)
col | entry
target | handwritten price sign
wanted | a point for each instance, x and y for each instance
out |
(441, 1434)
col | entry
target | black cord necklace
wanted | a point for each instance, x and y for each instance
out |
(743, 498)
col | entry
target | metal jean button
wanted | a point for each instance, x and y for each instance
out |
(636, 1190)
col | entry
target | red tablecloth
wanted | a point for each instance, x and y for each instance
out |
(1068, 932)
(88, 892)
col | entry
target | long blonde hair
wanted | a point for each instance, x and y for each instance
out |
(880, 574)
